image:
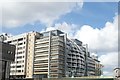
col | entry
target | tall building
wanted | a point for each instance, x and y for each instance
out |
(47, 54)
(7, 55)
(49, 57)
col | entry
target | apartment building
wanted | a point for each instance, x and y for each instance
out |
(31, 38)
(75, 58)
(90, 66)
(49, 58)
(47, 54)
(18, 67)
(24, 53)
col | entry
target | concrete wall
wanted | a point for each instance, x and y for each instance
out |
(7, 54)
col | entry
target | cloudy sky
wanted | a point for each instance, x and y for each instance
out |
(93, 23)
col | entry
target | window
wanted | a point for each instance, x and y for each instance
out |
(12, 71)
(46, 34)
(18, 70)
(12, 66)
(20, 43)
(19, 66)
(18, 61)
(19, 57)
(9, 41)
(20, 39)
(19, 53)
(14, 40)
(19, 48)
(23, 47)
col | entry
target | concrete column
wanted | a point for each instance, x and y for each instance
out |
(7, 69)
(49, 52)
(65, 40)
(86, 64)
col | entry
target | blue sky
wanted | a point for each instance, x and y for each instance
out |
(94, 23)
(95, 14)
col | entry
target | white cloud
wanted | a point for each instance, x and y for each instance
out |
(110, 61)
(107, 73)
(15, 14)
(104, 39)
(40, 0)
(65, 27)
(101, 0)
